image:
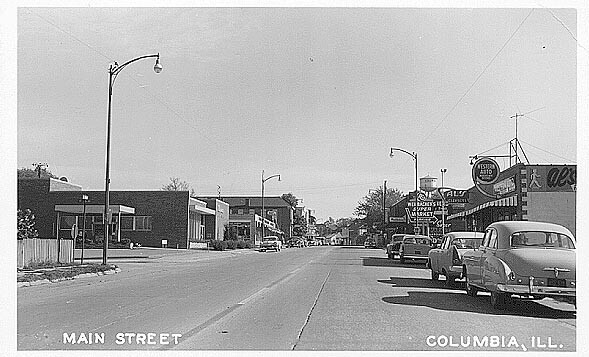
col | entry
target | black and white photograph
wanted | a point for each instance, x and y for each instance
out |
(269, 178)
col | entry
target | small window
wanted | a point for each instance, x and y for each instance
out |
(446, 243)
(485, 242)
(493, 239)
(127, 223)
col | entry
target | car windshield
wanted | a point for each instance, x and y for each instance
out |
(541, 239)
(467, 243)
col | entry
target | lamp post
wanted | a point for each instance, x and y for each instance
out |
(84, 201)
(113, 72)
(263, 215)
(443, 171)
(414, 156)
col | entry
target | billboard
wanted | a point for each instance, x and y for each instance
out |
(552, 178)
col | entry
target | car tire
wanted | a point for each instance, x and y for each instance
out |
(401, 258)
(435, 275)
(390, 256)
(470, 290)
(499, 300)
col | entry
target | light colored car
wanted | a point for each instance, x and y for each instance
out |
(415, 247)
(271, 242)
(447, 259)
(394, 245)
(523, 258)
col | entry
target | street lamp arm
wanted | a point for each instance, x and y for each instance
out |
(117, 68)
(268, 178)
(413, 155)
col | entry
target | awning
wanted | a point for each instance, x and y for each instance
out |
(201, 210)
(502, 202)
(94, 209)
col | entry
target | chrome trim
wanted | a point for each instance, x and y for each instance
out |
(541, 290)
(557, 270)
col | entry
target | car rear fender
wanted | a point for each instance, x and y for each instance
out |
(495, 271)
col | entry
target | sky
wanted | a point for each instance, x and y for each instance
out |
(317, 95)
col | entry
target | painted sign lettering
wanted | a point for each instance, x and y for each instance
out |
(550, 178)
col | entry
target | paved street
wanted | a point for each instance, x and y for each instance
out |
(315, 298)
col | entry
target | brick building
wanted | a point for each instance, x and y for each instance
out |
(150, 218)
(276, 210)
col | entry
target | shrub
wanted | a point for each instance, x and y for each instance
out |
(241, 244)
(231, 244)
(218, 244)
(26, 224)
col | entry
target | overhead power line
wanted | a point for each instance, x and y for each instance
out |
(476, 80)
(548, 152)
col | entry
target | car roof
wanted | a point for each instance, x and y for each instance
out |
(509, 227)
(466, 234)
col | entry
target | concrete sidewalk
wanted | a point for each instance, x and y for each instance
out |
(155, 253)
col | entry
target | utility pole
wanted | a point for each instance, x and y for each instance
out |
(384, 214)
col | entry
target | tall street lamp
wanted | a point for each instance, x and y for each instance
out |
(414, 156)
(263, 215)
(113, 72)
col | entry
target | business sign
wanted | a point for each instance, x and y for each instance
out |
(397, 219)
(504, 187)
(456, 196)
(485, 171)
(552, 178)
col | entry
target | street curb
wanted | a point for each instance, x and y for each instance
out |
(21, 284)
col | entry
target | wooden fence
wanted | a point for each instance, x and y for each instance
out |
(37, 250)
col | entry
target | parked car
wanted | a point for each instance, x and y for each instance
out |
(447, 259)
(523, 258)
(271, 242)
(393, 247)
(415, 247)
(369, 243)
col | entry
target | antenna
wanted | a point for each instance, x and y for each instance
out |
(514, 144)
(39, 167)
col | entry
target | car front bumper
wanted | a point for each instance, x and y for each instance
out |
(537, 290)
(409, 256)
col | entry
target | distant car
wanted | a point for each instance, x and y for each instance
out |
(370, 243)
(394, 245)
(415, 247)
(528, 259)
(271, 242)
(447, 259)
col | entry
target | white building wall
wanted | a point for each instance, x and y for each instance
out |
(553, 207)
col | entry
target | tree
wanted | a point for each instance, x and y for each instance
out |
(178, 185)
(24, 173)
(299, 226)
(26, 224)
(370, 207)
(290, 199)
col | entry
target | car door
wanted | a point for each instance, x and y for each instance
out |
(446, 256)
(489, 270)
(436, 254)
(473, 262)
